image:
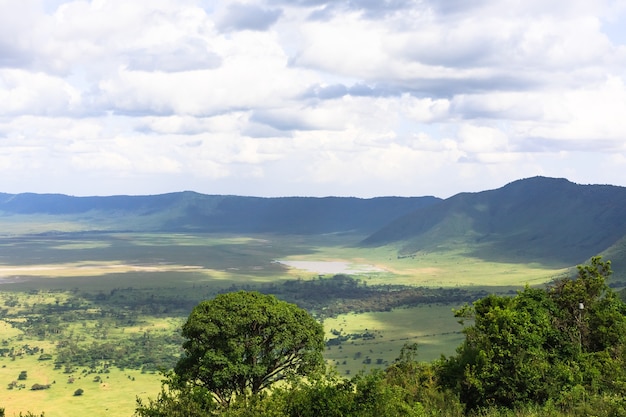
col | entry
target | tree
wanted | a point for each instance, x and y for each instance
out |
(503, 360)
(589, 312)
(176, 400)
(240, 343)
(543, 343)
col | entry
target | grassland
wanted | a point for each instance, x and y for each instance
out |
(112, 395)
(110, 288)
(375, 339)
(452, 266)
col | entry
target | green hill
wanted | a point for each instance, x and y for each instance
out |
(189, 211)
(539, 219)
(546, 220)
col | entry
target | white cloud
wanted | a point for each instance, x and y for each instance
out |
(23, 92)
(284, 97)
(346, 45)
(481, 139)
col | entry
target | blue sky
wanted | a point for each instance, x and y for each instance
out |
(309, 97)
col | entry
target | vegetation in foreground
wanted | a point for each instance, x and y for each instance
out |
(558, 351)
(120, 325)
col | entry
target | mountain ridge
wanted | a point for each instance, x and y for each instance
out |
(540, 218)
(191, 211)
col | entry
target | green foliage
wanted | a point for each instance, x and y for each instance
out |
(79, 392)
(332, 397)
(421, 384)
(241, 343)
(542, 345)
(589, 312)
(176, 400)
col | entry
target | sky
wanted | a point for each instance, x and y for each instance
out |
(273, 98)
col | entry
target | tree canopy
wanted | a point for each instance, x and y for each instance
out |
(558, 350)
(240, 343)
(543, 343)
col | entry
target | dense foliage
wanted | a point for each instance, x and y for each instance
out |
(544, 344)
(556, 351)
(241, 343)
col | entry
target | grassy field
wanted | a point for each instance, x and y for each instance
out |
(247, 259)
(450, 267)
(433, 327)
(56, 270)
(112, 395)
(106, 390)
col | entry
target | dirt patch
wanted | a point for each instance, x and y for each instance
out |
(89, 269)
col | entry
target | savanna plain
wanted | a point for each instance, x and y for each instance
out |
(88, 321)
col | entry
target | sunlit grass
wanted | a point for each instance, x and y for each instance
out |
(449, 268)
(196, 266)
(433, 327)
(114, 396)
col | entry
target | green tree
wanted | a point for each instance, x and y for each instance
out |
(328, 396)
(420, 383)
(589, 312)
(240, 343)
(542, 344)
(503, 359)
(177, 400)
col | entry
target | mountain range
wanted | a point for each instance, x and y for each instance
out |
(193, 212)
(547, 220)
(542, 219)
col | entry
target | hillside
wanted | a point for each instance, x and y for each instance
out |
(539, 219)
(189, 211)
(546, 220)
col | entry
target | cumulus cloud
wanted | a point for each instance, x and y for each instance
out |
(188, 56)
(23, 92)
(240, 16)
(309, 97)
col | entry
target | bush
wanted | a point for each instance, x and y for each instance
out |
(78, 392)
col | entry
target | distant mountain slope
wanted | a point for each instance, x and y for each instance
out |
(189, 211)
(542, 219)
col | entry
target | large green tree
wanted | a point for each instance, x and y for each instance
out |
(543, 343)
(240, 343)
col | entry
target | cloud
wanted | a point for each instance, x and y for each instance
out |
(186, 55)
(23, 92)
(12, 57)
(370, 9)
(241, 16)
(309, 96)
